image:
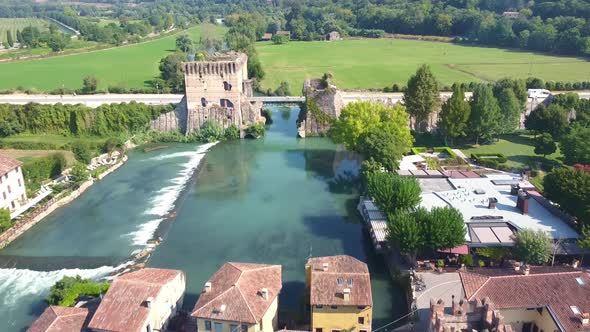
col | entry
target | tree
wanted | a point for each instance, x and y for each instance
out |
(570, 188)
(532, 247)
(280, 39)
(58, 42)
(82, 152)
(359, 119)
(89, 84)
(454, 115)
(404, 233)
(518, 87)
(19, 36)
(441, 228)
(384, 147)
(66, 291)
(575, 145)
(544, 144)
(485, 114)
(30, 36)
(4, 220)
(422, 96)
(392, 192)
(283, 89)
(584, 241)
(510, 110)
(552, 120)
(80, 173)
(171, 71)
(9, 40)
(184, 43)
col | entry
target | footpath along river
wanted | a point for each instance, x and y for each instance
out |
(274, 200)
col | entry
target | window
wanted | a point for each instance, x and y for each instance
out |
(233, 328)
(575, 310)
(334, 307)
(218, 327)
(9, 189)
(360, 307)
(4, 195)
(203, 102)
(349, 282)
(319, 329)
(580, 281)
(361, 320)
(335, 330)
(226, 86)
(340, 282)
(148, 328)
(19, 184)
(226, 103)
(319, 306)
(244, 328)
(208, 325)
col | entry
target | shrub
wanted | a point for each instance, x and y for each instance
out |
(5, 222)
(481, 263)
(210, 132)
(231, 132)
(440, 263)
(82, 152)
(256, 131)
(38, 170)
(466, 259)
(267, 114)
(67, 291)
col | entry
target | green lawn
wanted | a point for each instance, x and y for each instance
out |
(52, 139)
(129, 66)
(518, 149)
(13, 24)
(376, 63)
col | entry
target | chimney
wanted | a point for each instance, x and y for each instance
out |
(325, 267)
(264, 293)
(585, 318)
(492, 201)
(148, 302)
(207, 288)
(523, 202)
(346, 293)
(222, 308)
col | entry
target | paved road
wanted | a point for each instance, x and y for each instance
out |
(92, 100)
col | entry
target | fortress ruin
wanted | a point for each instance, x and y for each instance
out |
(217, 90)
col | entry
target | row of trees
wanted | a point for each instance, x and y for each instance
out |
(32, 37)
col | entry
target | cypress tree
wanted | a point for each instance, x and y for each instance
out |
(9, 40)
(485, 114)
(422, 97)
(19, 37)
(454, 114)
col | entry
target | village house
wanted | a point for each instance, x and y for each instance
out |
(13, 193)
(266, 37)
(140, 301)
(340, 296)
(522, 299)
(333, 35)
(240, 297)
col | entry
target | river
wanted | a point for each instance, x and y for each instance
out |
(275, 200)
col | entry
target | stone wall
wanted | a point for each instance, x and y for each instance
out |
(322, 104)
(172, 121)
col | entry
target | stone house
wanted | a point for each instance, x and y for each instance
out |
(333, 35)
(340, 296)
(240, 297)
(13, 192)
(140, 301)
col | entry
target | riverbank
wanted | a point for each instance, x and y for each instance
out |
(24, 224)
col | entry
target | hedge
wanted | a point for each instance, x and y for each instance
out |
(422, 149)
(496, 158)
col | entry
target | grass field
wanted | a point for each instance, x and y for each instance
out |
(13, 24)
(129, 66)
(28, 155)
(518, 149)
(376, 63)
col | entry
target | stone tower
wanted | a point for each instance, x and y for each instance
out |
(218, 90)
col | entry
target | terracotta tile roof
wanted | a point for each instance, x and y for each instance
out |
(238, 286)
(123, 306)
(7, 164)
(324, 288)
(61, 319)
(267, 36)
(555, 288)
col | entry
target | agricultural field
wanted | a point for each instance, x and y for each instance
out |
(126, 66)
(13, 24)
(376, 63)
(28, 155)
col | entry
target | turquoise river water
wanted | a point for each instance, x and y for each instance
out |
(275, 200)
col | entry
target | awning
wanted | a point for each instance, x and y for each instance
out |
(460, 250)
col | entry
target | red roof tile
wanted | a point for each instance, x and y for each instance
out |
(123, 306)
(556, 288)
(61, 319)
(324, 288)
(238, 286)
(7, 164)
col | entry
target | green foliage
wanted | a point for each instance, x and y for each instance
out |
(280, 39)
(89, 84)
(184, 43)
(256, 130)
(66, 291)
(454, 114)
(442, 228)
(171, 71)
(312, 107)
(38, 170)
(485, 114)
(497, 254)
(422, 97)
(466, 259)
(232, 132)
(283, 89)
(481, 263)
(552, 120)
(209, 132)
(374, 130)
(575, 145)
(404, 233)
(112, 144)
(570, 188)
(9, 40)
(82, 152)
(5, 222)
(392, 192)
(532, 247)
(80, 173)
(510, 110)
(58, 42)
(584, 241)
(544, 144)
